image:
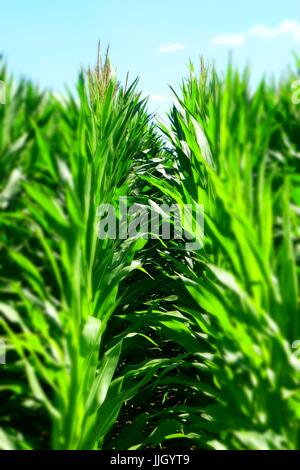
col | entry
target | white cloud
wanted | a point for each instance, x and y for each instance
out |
(171, 47)
(262, 31)
(158, 98)
(229, 40)
(287, 27)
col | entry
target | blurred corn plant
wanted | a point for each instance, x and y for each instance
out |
(129, 344)
(59, 281)
(237, 153)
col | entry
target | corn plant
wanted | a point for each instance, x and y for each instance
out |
(63, 281)
(139, 343)
(233, 154)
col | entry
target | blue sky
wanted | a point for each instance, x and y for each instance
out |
(49, 40)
